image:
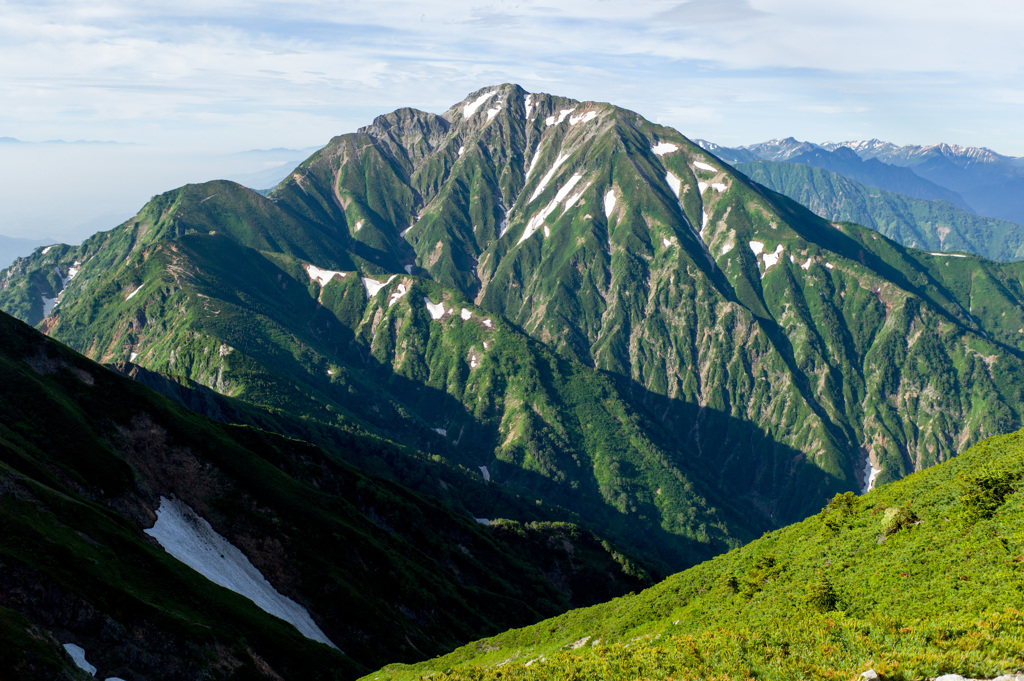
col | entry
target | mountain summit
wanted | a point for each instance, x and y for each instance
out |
(587, 308)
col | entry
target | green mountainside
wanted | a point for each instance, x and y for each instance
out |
(585, 307)
(916, 579)
(928, 225)
(87, 455)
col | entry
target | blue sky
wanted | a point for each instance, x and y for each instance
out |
(192, 81)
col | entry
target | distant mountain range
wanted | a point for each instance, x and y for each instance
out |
(975, 179)
(529, 308)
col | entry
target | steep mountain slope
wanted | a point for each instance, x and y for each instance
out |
(916, 579)
(928, 225)
(90, 459)
(585, 306)
(991, 183)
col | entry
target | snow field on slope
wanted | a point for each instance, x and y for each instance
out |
(436, 310)
(562, 158)
(663, 148)
(191, 540)
(132, 294)
(538, 220)
(321, 276)
(373, 286)
(609, 203)
(472, 107)
(704, 166)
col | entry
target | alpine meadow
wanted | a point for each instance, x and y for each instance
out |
(533, 388)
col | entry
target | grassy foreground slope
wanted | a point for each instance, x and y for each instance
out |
(918, 578)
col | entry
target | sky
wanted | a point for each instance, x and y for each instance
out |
(176, 90)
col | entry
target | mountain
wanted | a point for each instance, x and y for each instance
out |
(929, 225)
(991, 183)
(914, 580)
(12, 248)
(846, 162)
(585, 307)
(105, 486)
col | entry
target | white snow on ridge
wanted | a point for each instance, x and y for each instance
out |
(466, 314)
(674, 183)
(47, 249)
(756, 247)
(948, 255)
(583, 118)
(563, 113)
(562, 158)
(704, 166)
(472, 107)
(436, 310)
(702, 186)
(318, 275)
(772, 258)
(491, 113)
(190, 539)
(537, 220)
(77, 654)
(719, 187)
(662, 148)
(132, 294)
(373, 286)
(397, 295)
(529, 104)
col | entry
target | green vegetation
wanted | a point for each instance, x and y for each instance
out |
(918, 223)
(912, 584)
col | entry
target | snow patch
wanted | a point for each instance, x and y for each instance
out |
(436, 311)
(529, 104)
(609, 202)
(466, 314)
(537, 220)
(533, 161)
(441, 431)
(487, 323)
(663, 148)
(948, 255)
(359, 225)
(674, 183)
(491, 113)
(719, 187)
(484, 472)
(870, 474)
(77, 654)
(48, 305)
(665, 242)
(547, 231)
(828, 265)
(756, 247)
(547, 176)
(397, 295)
(406, 230)
(408, 269)
(807, 265)
(132, 357)
(47, 249)
(373, 286)
(482, 521)
(772, 258)
(472, 107)
(321, 276)
(190, 539)
(572, 200)
(702, 186)
(583, 118)
(132, 294)
(726, 248)
(563, 113)
(704, 166)
(704, 221)
(461, 149)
